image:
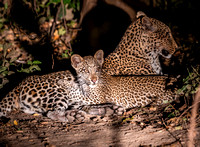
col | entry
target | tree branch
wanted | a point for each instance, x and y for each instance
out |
(54, 22)
(122, 5)
(88, 5)
(192, 130)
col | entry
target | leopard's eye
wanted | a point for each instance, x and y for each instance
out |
(98, 69)
(165, 52)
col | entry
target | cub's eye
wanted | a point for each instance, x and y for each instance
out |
(165, 52)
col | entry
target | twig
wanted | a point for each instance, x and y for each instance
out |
(65, 26)
(52, 61)
(54, 22)
(67, 44)
(63, 13)
(52, 31)
(186, 111)
(192, 130)
(166, 127)
(34, 6)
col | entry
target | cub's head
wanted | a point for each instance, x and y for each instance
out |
(88, 68)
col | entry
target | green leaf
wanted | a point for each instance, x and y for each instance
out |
(184, 119)
(34, 68)
(10, 72)
(4, 73)
(29, 62)
(61, 31)
(2, 69)
(37, 62)
(52, 2)
(65, 55)
(178, 128)
(78, 5)
(6, 5)
(71, 53)
(171, 115)
(56, 1)
(26, 70)
(13, 59)
(5, 81)
(66, 2)
(1, 25)
(184, 88)
(165, 101)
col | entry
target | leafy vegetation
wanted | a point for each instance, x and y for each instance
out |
(57, 25)
(191, 82)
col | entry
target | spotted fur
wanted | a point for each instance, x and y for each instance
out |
(139, 49)
(56, 95)
(61, 97)
(125, 91)
(45, 95)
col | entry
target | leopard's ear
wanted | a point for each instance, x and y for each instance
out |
(99, 56)
(76, 60)
(148, 25)
(140, 14)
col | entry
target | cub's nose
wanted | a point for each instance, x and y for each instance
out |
(94, 79)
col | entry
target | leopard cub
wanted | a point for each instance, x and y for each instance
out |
(56, 95)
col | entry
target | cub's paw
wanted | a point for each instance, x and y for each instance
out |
(54, 115)
(104, 109)
(75, 116)
(69, 116)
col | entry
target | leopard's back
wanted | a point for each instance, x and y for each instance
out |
(139, 49)
(40, 94)
(137, 91)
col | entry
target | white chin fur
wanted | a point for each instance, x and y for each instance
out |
(92, 86)
(169, 56)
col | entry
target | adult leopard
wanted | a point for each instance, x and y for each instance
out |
(139, 49)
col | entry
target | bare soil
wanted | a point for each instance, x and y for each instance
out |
(138, 127)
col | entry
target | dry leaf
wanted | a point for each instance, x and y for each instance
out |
(178, 128)
(36, 114)
(44, 123)
(153, 109)
(15, 122)
(56, 36)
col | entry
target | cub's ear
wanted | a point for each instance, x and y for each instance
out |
(149, 26)
(99, 56)
(76, 60)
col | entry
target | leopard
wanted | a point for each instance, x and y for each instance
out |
(67, 98)
(126, 91)
(144, 42)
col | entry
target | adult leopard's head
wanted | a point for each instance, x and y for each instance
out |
(156, 37)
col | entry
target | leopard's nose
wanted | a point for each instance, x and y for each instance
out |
(94, 79)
